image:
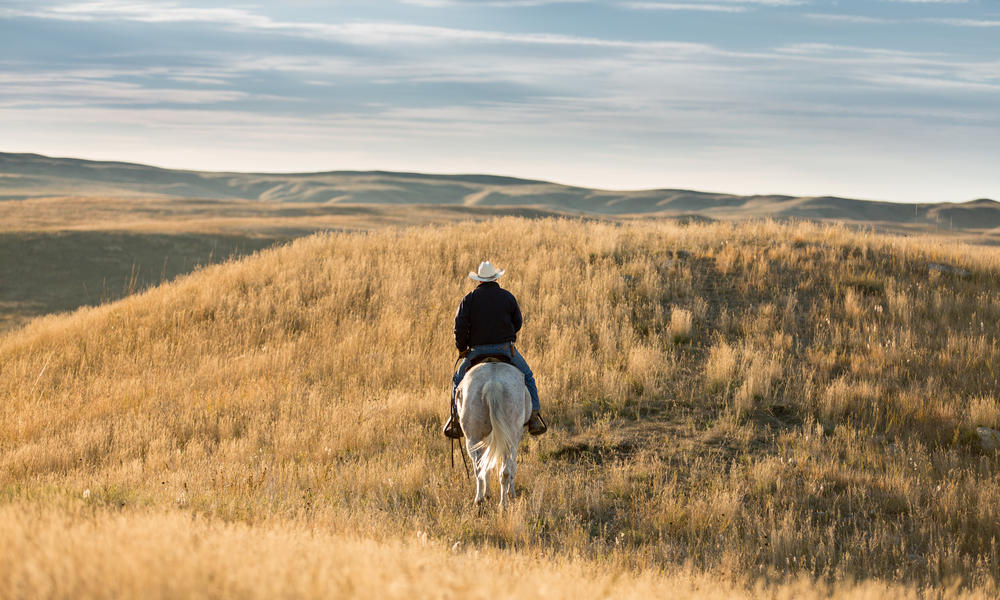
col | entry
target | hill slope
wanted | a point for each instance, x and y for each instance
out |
(758, 400)
(31, 176)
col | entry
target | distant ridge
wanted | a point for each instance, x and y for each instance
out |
(24, 176)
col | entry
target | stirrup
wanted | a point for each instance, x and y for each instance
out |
(453, 429)
(536, 424)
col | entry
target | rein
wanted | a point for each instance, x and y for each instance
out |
(455, 413)
(467, 475)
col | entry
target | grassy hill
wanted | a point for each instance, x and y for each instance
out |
(57, 254)
(728, 404)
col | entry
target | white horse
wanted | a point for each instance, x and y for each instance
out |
(493, 405)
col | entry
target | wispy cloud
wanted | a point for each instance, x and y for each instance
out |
(723, 6)
(870, 20)
(967, 22)
(44, 89)
(820, 48)
(490, 3)
(717, 6)
(166, 12)
(770, 2)
(843, 18)
(731, 8)
(932, 83)
(376, 33)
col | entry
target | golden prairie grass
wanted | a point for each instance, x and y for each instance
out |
(819, 423)
(681, 321)
(169, 555)
(720, 367)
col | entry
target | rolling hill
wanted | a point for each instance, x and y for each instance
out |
(24, 176)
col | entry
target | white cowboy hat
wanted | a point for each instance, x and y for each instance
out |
(487, 272)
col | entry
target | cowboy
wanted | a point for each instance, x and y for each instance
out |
(486, 324)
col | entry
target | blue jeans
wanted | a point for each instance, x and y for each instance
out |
(517, 360)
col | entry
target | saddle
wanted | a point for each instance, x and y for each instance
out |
(490, 358)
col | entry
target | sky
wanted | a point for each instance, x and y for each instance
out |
(893, 100)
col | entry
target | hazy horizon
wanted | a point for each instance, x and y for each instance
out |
(889, 100)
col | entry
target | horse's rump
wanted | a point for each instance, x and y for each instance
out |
(494, 407)
(501, 439)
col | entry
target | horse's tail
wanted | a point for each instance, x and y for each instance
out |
(500, 442)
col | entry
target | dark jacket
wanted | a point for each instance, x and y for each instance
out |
(488, 314)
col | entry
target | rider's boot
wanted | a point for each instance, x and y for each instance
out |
(536, 426)
(452, 428)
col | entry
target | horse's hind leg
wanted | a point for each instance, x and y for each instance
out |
(481, 483)
(483, 476)
(507, 478)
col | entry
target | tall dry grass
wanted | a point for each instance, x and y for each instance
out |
(153, 555)
(785, 401)
(169, 555)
